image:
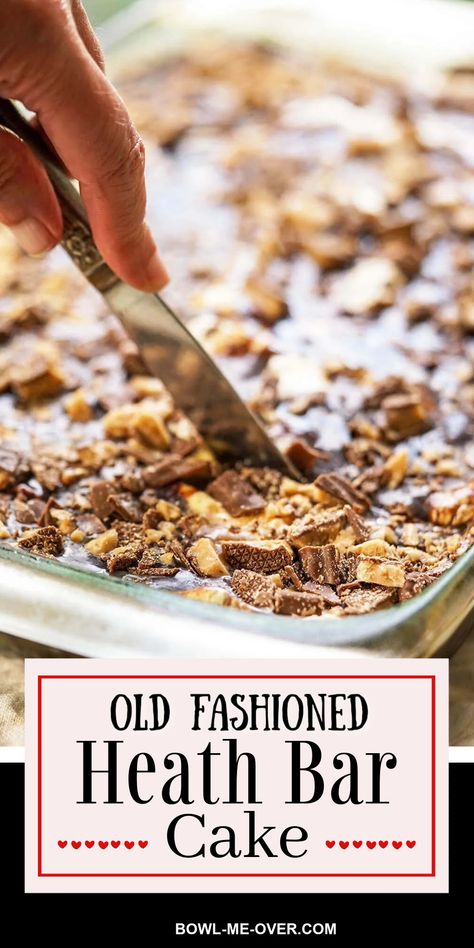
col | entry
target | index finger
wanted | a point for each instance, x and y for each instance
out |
(88, 124)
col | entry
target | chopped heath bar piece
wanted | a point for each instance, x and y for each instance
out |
(99, 498)
(321, 563)
(126, 506)
(318, 528)
(236, 495)
(123, 557)
(263, 557)
(407, 414)
(356, 523)
(175, 468)
(452, 506)
(289, 603)
(205, 559)
(360, 600)
(89, 524)
(326, 594)
(77, 407)
(47, 541)
(255, 589)
(304, 457)
(291, 578)
(10, 467)
(341, 487)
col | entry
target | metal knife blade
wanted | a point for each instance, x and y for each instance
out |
(167, 347)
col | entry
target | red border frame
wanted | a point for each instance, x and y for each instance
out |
(240, 875)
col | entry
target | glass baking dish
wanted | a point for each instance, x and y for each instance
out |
(97, 615)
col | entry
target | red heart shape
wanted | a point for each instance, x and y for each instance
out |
(383, 843)
(90, 843)
(371, 844)
(115, 843)
(143, 843)
(103, 844)
(411, 843)
(128, 844)
(396, 844)
(357, 843)
(62, 843)
(343, 844)
(75, 844)
(330, 843)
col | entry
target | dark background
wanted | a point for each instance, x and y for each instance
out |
(361, 919)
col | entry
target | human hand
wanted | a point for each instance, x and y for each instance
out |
(51, 61)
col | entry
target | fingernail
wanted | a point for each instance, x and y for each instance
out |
(34, 238)
(156, 273)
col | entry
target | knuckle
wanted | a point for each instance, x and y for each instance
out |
(127, 166)
(8, 165)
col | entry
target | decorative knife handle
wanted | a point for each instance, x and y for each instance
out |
(77, 237)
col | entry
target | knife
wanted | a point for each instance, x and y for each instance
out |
(166, 346)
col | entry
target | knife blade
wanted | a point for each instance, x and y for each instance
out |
(167, 347)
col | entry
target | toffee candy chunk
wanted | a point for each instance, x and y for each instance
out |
(373, 569)
(253, 588)
(321, 563)
(124, 556)
(290, 603)
(47, 541)
(99, 498)
(236, 494)
(341, 487)
(317, 528)
(205, 558)
(360, 600)
(259, 557)
(175, 468)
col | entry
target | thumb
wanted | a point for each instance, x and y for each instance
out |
(28, 205)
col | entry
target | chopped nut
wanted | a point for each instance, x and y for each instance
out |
(10, 467)
(205, 559)
(78, 407)
(202, 504)
(380, 572)
(410, 535)
(216, 596)
(37, 379)
(368, 285)
(374, 547)
(152, 430)
(395, 468)
(236, 494)
(406, 415)
(103, 544)
(451, 507)
(267, 304)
